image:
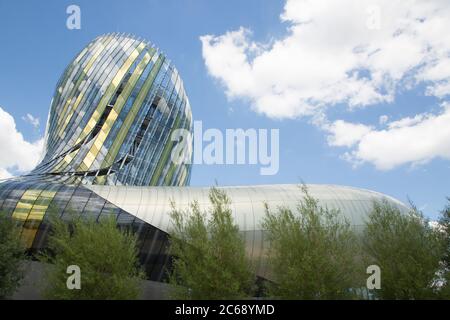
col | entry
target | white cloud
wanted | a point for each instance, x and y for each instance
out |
(415, 141)
(4, 174)
(353, 52)
(34, 121)
(345, 134)
(330, 56)
(408, 121)
(17, 154)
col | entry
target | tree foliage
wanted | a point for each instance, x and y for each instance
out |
(407, 250)
(444, 223)
(313, 252)
(107, 258)
(209, 260)
(12, 255)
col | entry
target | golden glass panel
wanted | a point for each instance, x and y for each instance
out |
(113, 115)
(35, 216)
(109, 92)
(67, 117)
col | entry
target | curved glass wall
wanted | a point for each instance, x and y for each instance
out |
(112, 116)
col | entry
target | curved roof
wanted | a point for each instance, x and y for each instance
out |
(152, 204)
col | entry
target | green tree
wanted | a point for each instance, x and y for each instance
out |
(106, 256)
(209, 259)
(444, 223)
(407, 250)
(313, 252)
(12, 256)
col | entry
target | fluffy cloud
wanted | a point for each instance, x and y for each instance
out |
(409, 140)
(4, 174)
(353, 52)
(17, 154)
(356, 52)
(345, 134)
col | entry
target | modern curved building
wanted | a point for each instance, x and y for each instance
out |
(107, 153)
(112, 116)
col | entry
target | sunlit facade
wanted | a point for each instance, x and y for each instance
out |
(112, 115)
(107, 153)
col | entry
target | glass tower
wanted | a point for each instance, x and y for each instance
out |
(112, 116)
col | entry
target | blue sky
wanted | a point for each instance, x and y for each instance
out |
(324, 135)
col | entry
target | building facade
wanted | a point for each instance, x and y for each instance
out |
(108, 148)
(112, 115)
